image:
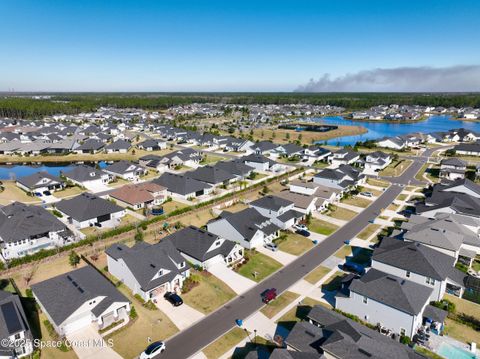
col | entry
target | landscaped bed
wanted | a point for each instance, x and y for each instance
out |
(209, 294)
(275, 306)
(258, 266)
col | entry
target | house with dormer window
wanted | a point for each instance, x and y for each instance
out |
(149, 270)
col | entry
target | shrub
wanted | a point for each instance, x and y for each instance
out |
(405, 340)
(29, 293)
(133, 313)
(57, 213)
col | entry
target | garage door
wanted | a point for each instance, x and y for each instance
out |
(77, 324)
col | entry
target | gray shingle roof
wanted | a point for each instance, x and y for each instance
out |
(393, 291)
(33, 180)
(62, 295)
(270, 202)
(181, 184)
(12, 320)
(87, 206)
(82, 173)
(210, 174)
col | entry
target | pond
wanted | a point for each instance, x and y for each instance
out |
(12, 172)
(381, 129)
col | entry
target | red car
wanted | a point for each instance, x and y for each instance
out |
(269, 295)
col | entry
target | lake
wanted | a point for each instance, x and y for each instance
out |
(12, 172)
(381, 129)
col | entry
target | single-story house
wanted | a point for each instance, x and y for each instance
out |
(40, 182)
(140, 195)
(125, 169)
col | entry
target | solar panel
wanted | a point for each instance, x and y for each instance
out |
(11, 318)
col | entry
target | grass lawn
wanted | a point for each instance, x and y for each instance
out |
(368, 231)
(211, 159)
(68, 192)
(377, 183)
(396, 168)
(461, 332)
(315, 275)
(149, 323)
(427, 353)
(237, 207)
(464, 306)
(322, 227)
(172, 206)
(357, 201)
(402, 197)
(393, 207)
(210, 294)
(334, 282)
(258, 263)
(341, 213)
(12, 193)
(343, 252)
(476, 265)
(275, 306)
(224, 343)
(198, 219)
(298, 313)
(295, 244)
(321, 164)
(52, 353)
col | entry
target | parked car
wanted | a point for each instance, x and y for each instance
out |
(269, 295)
(38, 194)
(300, 227)
(353, 267)
(367, 194)
(153, 350)
(173, 298)
(303, 232)
(47, 193)
(271, 246)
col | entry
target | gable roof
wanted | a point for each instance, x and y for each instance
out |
(119, 145)
(62, 295)
(86, 206)
(137, 193)
(235, 167)
(181, 184)
(12, 321)
(270, 202)
(34, 180)
(83, 173)
(122, 167)
(210, 174)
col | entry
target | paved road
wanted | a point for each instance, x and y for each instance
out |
(194, 338)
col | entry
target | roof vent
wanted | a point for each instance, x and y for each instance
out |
(310, 333)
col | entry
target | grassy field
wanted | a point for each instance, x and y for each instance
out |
(211, 159)
(315, 275)
(402, 197)
(210, 294)
(377, 183)
(237, 207)
(368, 231)
(430, 172)
(173, 205)
(357, 201)
(343, 252)
(322, 227)
(69, 192)
(396, 168)
(224, 343)
(464, 306)
(260, 264)
(393, 207)
(307, 137)
(275, 306)
(150, 323)
(199, 218)
(334, 282)
(341, 213)
(295, 244)
(12, 193)
(461, 332)
(298, 313)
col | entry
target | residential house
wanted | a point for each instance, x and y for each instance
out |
(183, 186)
(127, 170)
(88, 210)
(396, 143)
(316, 152)
(149, 270)
(235, 167)
(280, 211)
(377, 161)
(467, 149)
(119, 146)
(263, 147)
(452, 169)
(248, 228)
(152, 145)
(289, 150)
(85, 176)
(301, 202)
(16, 340)
(40, 182)
(205, 249)
(344, 178)
(262, 163)
(26, 229)
(343, 157)
(79, 299)
(140, 195)
(90, 146)
(212, 175)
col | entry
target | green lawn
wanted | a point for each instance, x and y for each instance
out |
(322, 227)
(341, 213)
(461, 332)
(275, 306)
(343, 252)
(173, 205)
(464, 306)
(67, 192)
(357, 201)
(368, 231)
(377, 183)
(295, 244)
(402, 197)
(258, 266)
(209, 294)
(224, 343)
(211, 159)
(334, 282)
(315, 275)
(396, 168)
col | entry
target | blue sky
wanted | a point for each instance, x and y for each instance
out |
(224, 45)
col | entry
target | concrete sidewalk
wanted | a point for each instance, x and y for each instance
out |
(280, 256)
(237, 282)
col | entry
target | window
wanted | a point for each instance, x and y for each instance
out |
(430, 281)
(407, 274)
(365, 300)
(402, 331)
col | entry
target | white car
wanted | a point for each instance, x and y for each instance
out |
(271, 246)
(153, 350)
(300, 227)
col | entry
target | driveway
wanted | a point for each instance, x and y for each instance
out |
(237, 282)
(182, 316)
(88, 344)
(280, 256)
(97, 187)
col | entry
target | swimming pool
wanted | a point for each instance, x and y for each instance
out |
(451, 352)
